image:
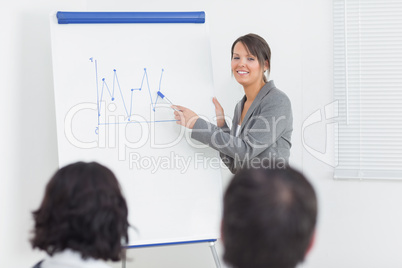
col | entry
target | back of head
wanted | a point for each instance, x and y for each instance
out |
(82, 210)
(269, 218)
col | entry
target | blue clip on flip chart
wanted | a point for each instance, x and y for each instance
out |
(130, 17)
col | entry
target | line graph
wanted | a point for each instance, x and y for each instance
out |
(112, 91)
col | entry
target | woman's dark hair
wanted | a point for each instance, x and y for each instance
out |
(269, 218)
(83, 210)
(257, 46)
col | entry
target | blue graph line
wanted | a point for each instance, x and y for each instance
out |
(100, 103)
(97, 93)
(160, 81)
(150, 96)
(111, 94)
(159, 89)
(121, 94)
(131, 101)
(114, 78)
(139, 122)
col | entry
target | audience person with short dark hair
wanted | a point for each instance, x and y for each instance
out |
(82, 220)
(269, 218)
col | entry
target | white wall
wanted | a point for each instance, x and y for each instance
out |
(359, 223)
(28, 134)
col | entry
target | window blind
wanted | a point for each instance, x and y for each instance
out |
(368, 88)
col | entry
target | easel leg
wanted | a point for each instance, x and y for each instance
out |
(214, 254)
(123, 259)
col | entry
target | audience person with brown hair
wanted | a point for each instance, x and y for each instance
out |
(269, 218)
(82, 220)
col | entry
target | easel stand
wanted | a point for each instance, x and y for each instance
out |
(214, 254)
(211, 246)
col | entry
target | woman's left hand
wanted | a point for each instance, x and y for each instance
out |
(185, 116)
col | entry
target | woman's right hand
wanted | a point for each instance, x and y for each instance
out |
(220, 116)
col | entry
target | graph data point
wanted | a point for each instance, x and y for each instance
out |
(112, 105)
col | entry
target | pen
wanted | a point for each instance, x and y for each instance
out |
(164, 97)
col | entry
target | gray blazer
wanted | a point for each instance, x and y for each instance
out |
(265, 132)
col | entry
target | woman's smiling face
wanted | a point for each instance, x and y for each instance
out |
(246, 68)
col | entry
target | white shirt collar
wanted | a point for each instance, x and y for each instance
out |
(71, 259)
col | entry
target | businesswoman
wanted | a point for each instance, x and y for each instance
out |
(82, 220)
(262, 121)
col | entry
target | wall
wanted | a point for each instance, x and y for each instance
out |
(28, 136)
(359, 223)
